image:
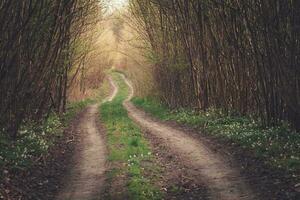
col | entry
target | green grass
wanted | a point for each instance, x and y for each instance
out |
(278, 146)
(35, 139)
(127, 146)
(75, 107)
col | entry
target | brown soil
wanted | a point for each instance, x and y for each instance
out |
(221, 177)
(175, 178)
(193, 166)
(265, 181)
(115, 187)
(86, 177)
(43, 180)
(268, 182)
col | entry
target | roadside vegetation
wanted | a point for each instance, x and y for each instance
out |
(228, 69)
(128, 149)
(32, 146)
(51, 70)
(278, 145)
(236, 56)
(35, 139)
(41, 56)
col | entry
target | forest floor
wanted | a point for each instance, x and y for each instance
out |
(129, 154)
(87, 174)
(41, 178)
(73, 165)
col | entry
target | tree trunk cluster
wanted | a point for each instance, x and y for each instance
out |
(37, 50)
(239, 56)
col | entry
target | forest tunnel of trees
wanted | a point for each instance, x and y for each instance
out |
(238, 56)
(41, 41)
(230, 69)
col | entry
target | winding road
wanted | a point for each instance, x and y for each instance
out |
(224, 181)
(87, 176)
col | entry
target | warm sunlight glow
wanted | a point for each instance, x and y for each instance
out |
(149, 99)
(116, 4)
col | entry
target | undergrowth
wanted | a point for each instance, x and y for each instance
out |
(278, 146)
(35, 138)
(127, 146)
(33, 141)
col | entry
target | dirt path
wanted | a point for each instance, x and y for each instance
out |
(224, 181)
(87, 176)
(114, 89)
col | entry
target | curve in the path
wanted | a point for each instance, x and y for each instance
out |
(87, 175)
(114, 89)
(223, 181)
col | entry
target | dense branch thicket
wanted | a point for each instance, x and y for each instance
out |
(39, 44)
(238, 56)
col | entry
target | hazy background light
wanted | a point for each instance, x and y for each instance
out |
(112, 5)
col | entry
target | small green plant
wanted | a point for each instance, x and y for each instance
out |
(134, 141)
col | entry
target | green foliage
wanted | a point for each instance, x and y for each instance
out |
(127, 145)
(208, 56)
(152, 106)
(75, 107)
(35, 139)
(278, 146)
(41, 72)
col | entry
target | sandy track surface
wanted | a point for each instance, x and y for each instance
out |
(87, 175)
(223, 180)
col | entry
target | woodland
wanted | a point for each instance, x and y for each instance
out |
(42, 42)
(228, 70)
(238, 56)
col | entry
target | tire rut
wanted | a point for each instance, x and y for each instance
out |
(222, 179)
(87, 175)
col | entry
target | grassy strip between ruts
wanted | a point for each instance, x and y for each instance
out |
(278, 146)
(128, 147)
